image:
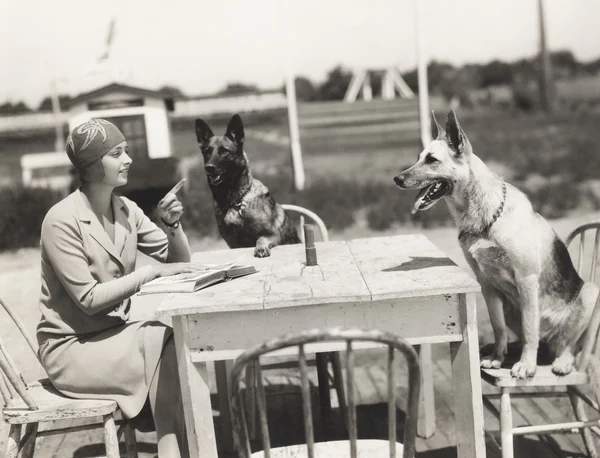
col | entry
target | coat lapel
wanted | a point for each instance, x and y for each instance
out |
(86, 215)
(121, 224)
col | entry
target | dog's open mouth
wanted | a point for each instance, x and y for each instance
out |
(215, 179)
(429, 195)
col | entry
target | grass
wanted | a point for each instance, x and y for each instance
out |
(553, 158)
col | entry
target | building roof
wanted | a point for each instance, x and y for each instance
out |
(112, 87)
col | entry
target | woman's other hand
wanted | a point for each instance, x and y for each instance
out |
(174, 268)
(170, 208)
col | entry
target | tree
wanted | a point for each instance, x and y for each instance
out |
(305, 89)
(238, 88)
(171, 91)
(564, 61)
(336, 84)
(46, 104)
(495, 72)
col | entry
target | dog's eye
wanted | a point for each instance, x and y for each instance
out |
(429, 159)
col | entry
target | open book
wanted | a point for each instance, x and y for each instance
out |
(193, 281)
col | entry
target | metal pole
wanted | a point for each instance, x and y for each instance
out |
(424, 112)
(290, 89)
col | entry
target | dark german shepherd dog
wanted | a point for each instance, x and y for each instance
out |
(246, 213)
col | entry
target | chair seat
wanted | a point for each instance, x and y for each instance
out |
(366, 448)
(543, 377)
(55, 406)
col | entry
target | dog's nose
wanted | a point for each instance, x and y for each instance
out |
(210, 169)
(399, 181)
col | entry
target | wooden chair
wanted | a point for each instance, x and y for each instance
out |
(40, 402)
(338, 449)
(569, 385)
(321, 359)
(426, 426)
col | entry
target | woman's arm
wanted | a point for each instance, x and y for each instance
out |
(63, 246)
(169, 211)
(179, 247)
(166, 245)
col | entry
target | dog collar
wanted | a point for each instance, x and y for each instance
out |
(238, 205)
(499, 211)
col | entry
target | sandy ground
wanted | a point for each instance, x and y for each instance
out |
(20, 286)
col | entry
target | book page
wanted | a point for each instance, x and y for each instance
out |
(209, 269)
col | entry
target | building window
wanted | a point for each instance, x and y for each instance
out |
(134, 130)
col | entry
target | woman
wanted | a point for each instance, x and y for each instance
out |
(88, 247)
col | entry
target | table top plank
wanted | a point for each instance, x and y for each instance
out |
(360, 270)
(243, 293)
(335, 279)
(403, 266)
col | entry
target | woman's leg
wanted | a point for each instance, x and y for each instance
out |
(167, 406)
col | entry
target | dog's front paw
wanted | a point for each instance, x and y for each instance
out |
(262, 251)
(490, 362)
(563, 365)
(523, 369)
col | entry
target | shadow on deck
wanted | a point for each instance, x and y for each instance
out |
(285, 416)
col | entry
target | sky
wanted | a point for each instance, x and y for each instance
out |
(199, 46)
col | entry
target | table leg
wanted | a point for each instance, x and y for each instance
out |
(196, 395)
(426, 424)
(222, 372)
(466, 382)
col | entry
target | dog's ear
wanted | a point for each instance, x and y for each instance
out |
(437, 133)
(455, 136)
(203, 133)
(235, 129)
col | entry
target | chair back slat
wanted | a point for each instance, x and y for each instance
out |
(595, 256)
(393, 343)
(306, 404)
(7, 395)
(581, 256)
(350, 395)
(262, 411)
(391, 402)
(15, 378)
(21, 326)
(306, 213)
(590, 337)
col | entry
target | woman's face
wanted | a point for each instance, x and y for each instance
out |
(116, 165)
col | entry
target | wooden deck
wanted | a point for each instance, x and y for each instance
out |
(285, 417)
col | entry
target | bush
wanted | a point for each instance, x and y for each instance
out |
(555, 199)
(23, 210)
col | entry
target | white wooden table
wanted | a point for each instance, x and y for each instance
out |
(400, 284)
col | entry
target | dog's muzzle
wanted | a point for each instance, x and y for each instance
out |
(211, 170)
(399, 181)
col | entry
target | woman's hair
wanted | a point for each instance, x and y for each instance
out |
(86, 145)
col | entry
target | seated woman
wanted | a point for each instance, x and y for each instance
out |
(89, 241)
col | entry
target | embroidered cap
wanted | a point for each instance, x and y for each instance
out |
(86, 145)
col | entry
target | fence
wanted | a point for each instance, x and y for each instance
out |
(340, 126)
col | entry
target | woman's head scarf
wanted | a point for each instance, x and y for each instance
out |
(86, 145)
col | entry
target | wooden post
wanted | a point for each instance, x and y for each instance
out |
(422, 78)
(59, 142)
(290, 89)
(546, 89)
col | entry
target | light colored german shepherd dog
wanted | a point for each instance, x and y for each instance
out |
(526, 274)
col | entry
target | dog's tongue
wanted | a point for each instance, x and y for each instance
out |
(419, 201)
